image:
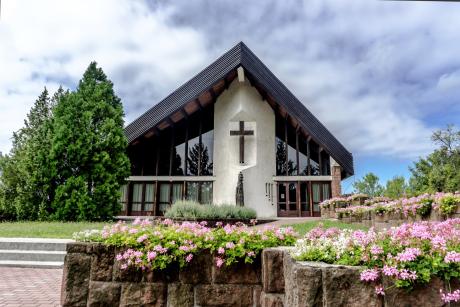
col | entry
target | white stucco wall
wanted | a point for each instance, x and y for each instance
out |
(243, 102)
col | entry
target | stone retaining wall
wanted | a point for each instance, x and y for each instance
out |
(92, 278)
(386, 220)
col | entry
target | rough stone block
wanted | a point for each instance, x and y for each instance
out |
(170, 274)
(256, 292)
(102, 262)
(199, 270)
(342, 287)
(75, 279)
(303, 283)
(426, 295)
(238, 273)
(272, 270)
(143, 294)
(271, 300)
(78, 247)
(180, 295)
(224, 295)
(103, 294)
(131, 274)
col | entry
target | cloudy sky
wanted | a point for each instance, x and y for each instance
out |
(381, 75)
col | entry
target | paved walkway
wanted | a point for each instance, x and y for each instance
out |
(29, 287)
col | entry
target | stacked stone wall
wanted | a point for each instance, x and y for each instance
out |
(92, 277)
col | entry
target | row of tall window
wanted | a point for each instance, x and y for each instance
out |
(185, 149)
(144, 199)
(295, 155)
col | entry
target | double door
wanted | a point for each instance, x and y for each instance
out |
(301, 198)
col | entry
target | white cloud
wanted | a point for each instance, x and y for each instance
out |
(374, 72)
(51, 42)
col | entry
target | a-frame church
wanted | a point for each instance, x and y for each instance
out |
(233, 133)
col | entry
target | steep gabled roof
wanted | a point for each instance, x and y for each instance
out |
(241, 55)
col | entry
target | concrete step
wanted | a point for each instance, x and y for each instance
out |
(36, 244)
(32, 264)
(32, 255)
(33, 252)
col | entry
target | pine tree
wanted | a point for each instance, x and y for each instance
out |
(89, 150)
(26, 171)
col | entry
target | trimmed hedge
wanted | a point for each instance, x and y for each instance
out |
(194, 210)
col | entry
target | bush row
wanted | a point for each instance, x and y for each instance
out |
(193, 210)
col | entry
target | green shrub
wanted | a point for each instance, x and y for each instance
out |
(193, 210)
(448, 204)
(425, 207)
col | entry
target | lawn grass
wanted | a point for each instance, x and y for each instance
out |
(58, 230)
(307, 226)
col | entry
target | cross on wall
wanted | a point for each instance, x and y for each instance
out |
(241, 133)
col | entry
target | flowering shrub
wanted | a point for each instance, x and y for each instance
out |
(410, 254)
(444, 203)
(158, 246)
(336, 202)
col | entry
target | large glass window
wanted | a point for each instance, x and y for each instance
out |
(164, 200)
(149, 200)
(178, 156)
(137, 197)
(200, 192)
(164, 147)
(124, 197)
(314, 158)
(325, 164)
(303, 157)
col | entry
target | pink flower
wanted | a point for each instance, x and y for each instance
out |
(151, 255)
(219, 262)
(142, 238)
(452, 257)
(450, 297)
(251, 254)
(189, 258)
(219, 224)
(124, 266)
(119, 257)
(230, 245)
(379, 290)
(390, 270)
(376, 250)
(160, 249)
(221, 250)
(409, 254)
(407, 275)
(369, 275)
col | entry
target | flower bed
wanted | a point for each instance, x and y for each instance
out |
(434, 207)
(404, 257)
(150, 246)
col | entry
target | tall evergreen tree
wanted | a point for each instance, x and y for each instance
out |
(89, 150)
(26, 172)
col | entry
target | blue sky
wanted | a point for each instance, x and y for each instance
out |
(381, 75)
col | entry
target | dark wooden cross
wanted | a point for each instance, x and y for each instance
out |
(241, 133)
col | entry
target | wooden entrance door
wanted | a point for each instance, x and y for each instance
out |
(287, 199)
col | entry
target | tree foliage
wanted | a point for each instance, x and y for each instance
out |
(369, 185)
(69, 159)
(440, 170)
(396, 187)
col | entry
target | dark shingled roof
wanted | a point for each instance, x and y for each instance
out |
(241, 55)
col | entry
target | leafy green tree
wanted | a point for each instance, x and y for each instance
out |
(89, 150)
(369, 185)
(440, 170)
(396, 187)
(26, 172)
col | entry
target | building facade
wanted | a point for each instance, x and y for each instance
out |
(233, 134)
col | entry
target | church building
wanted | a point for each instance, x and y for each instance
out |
(233, 134)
